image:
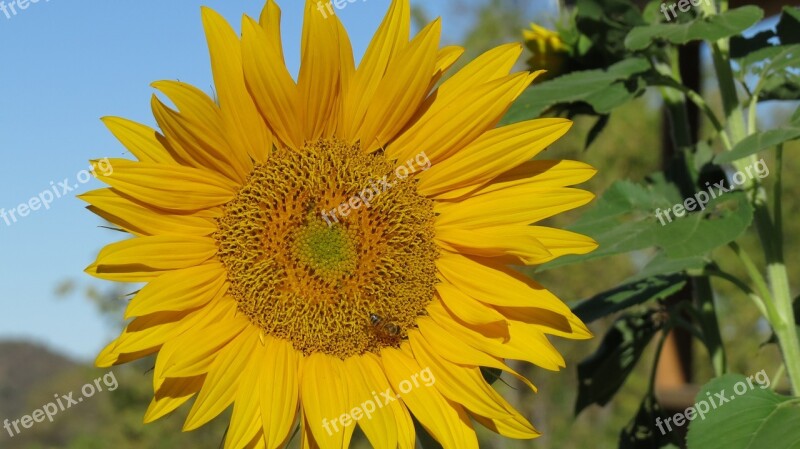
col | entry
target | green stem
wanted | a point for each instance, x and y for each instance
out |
(708, 322)
(784, 322)
(777, 296)
(755, 275)
(759, 303)
(776, 378)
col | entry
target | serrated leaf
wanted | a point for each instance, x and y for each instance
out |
(724, 220)
(629, 295)
(757, 418)
(602, 374)
(758, 142)
(602, 89)
(719, 26)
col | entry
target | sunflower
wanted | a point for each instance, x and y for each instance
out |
(548, 49)
(292, 270)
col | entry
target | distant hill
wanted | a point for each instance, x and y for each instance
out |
(23, 366)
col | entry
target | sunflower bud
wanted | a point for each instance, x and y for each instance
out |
(549, 50)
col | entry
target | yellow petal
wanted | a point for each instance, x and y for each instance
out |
(446, 421)
(491, 155)
(197, 349)
(439, 133)
(391, 37)
(378, 423)
(499, 241)
(141, 220)
(172, 394)
(521, 204)
(496, 284)
(246, 418)
(279, 390)
(514, 427)
(223, 380)
(270, 21)
(146, 333)
(463, 385)
(197, 144)
(518, 347)
(245, 129)
(402, 89)
(549, 322)
(145, 258)
(324, 395)
(542, 174)
(460, 351)
(216, 312)
(180, 290)
(142, 141)
(444, 60)
(170, 187)
(466, 307)
(271, 85)
(560, 242)
(318, 81)
(489, 66)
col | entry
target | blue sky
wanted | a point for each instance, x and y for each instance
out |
(65, 64)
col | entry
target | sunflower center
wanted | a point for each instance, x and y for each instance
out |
(329, 249)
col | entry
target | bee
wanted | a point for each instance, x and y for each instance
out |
(383, 327)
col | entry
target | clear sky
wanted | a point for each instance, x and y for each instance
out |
(64, 64)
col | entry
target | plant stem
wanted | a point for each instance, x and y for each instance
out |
(708, 322)
(777, 296)
(759, 303)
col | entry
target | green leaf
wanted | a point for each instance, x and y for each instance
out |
(640, 433)
(604, 90)
(626, 218)
(602, 374)
(725, 219)
(788, 28)
(597, 128)
(727, 24)
(629, 295)
(491, 375)
(771, 61)
(758, 142)
(782, 86)
(661, 264)
(622, 220)
(751, 418)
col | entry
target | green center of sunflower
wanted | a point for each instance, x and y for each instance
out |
(328, 249)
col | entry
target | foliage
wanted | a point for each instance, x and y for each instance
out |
(618, 53)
